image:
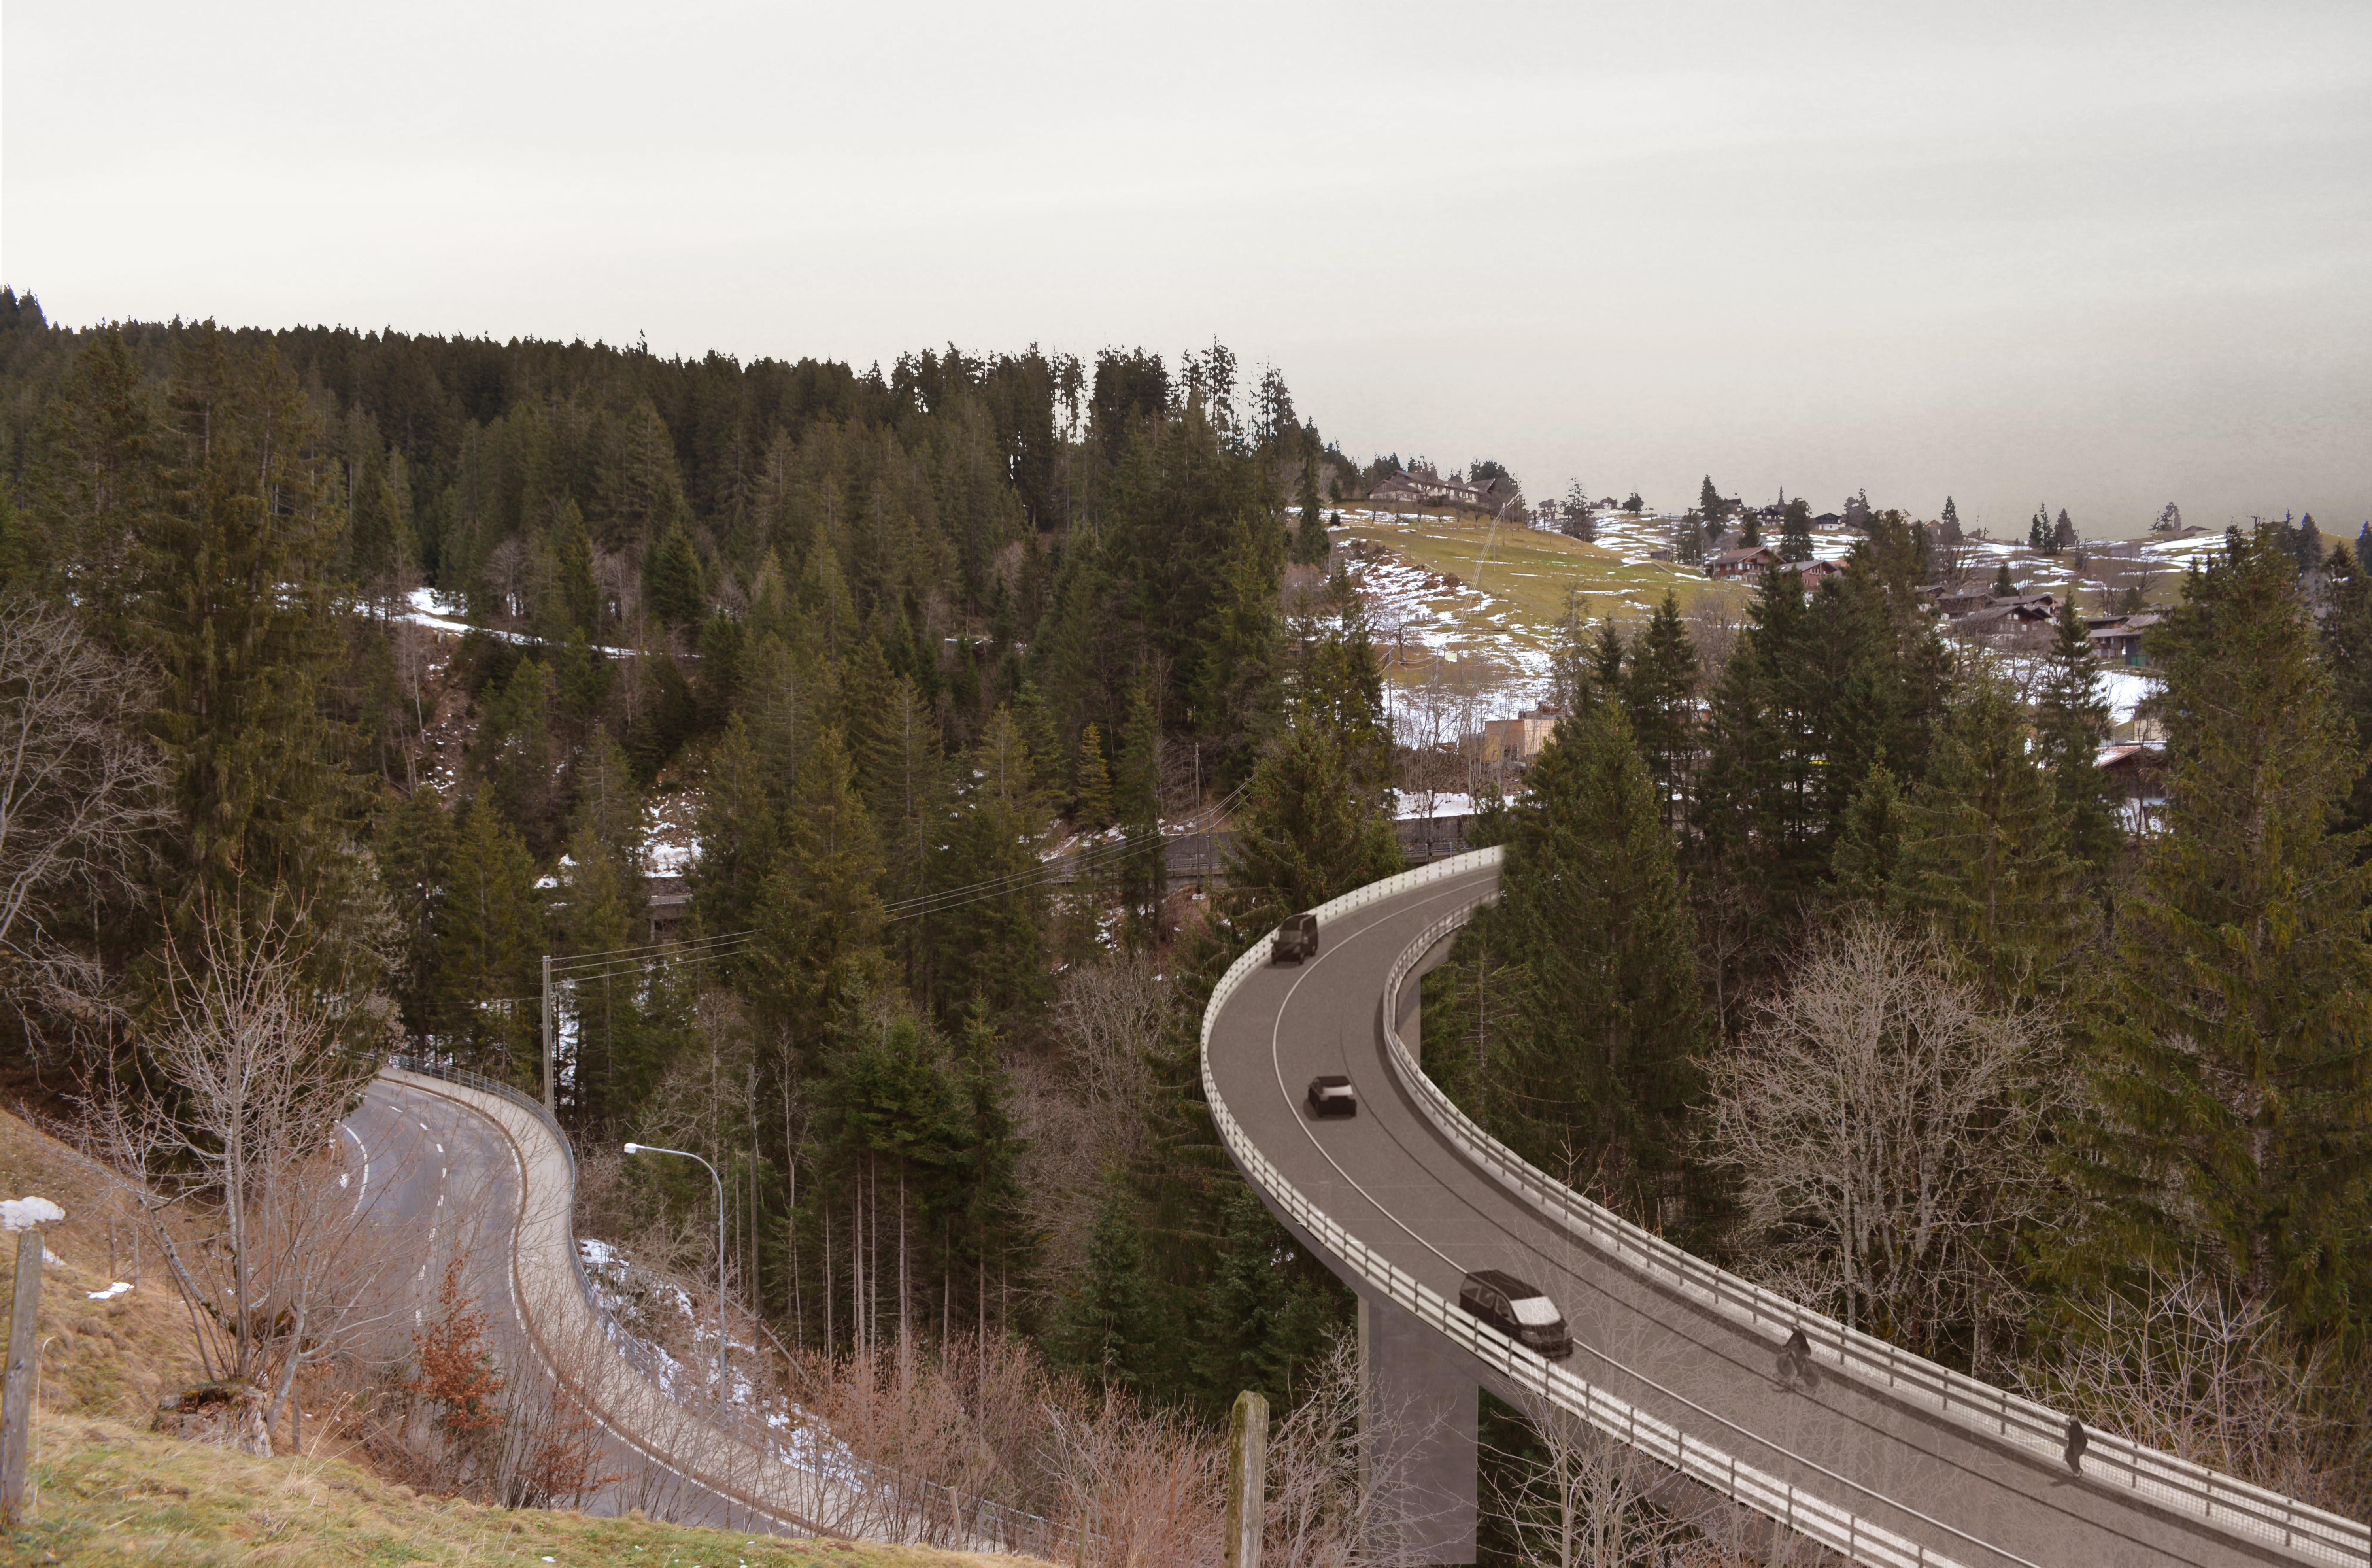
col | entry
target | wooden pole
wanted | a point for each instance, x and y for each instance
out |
(16, 1399)
(1247, 1478)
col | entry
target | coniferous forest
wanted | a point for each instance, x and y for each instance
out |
(1823, 948)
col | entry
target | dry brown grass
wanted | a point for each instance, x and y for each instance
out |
(111, 1358)
(107, 1494)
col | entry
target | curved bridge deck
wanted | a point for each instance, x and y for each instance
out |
(1881, 1457)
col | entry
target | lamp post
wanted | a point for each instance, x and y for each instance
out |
(686, 1154)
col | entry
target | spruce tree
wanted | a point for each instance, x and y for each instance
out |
(2004, 586)
(993, 947)
(671, 583)
(1137, 805)
(411, 846)
(1869, 849)
(1659, 695)
(490, 970)
(1309, 542)
(818, 950)
(1795, 531)
(1110, 1326)
(1983, 859)
(595, 919)
(740, 834)
(2347, 654)
(234, 610)
(2071, 723)
(2236, 1088)
(1092, 800)
(1601, 1061)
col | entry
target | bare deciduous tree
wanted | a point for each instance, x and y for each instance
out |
(1580, 1499)
(1087, 1115)
(1883, 1126)
(78, 787)
(248, 1133)
(2181, 1365)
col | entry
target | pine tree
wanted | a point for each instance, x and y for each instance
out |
(1309, 542)
(1092, 800)
(672, 580)
(2071, 725)
(1951, 521)
(2004, 586)
(1983, 859)
(595, 918)
(1606, 658)
(1689, 540)
(818, 948)
(234, 611)
(490, 969)
(412, 845)
(741, 833)
(2235, 1087)
(1795, 531)
(1110, 1326)
(2347, 654)
(1659, 695)
(1137, 805)
(2063, 533)
(993, 947)
(1590, 908)
(580, 596)
(1869, 850)
(1580, 515)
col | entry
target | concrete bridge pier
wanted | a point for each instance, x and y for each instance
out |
(1419, 1449)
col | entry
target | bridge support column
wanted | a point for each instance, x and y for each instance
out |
(1418, 1440)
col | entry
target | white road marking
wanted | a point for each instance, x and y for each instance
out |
(1277, 1064)
(357, 1137)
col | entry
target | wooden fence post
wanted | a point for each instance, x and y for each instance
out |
(1247, 1479)
(17, 1398)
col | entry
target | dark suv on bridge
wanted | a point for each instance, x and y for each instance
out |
(1517, 1310)
(1297, 939)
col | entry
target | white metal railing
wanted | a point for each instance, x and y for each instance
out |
(2260, 1515)
(2228, 1503)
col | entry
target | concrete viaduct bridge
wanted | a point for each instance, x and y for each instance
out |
(1877, 1457)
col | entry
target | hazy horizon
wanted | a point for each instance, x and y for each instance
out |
(2097, 258)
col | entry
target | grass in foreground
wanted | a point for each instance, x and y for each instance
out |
(108, 1494)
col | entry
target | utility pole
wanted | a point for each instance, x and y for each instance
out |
(1247, 1479)
(17, 1418)
(551, 1097)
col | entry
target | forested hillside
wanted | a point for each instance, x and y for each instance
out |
(886, 638)
(1826, 947)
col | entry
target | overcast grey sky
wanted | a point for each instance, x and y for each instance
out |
(2099, 255)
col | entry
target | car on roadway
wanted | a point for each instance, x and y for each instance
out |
(1517, 1310)
(1331, 1094)
(1297, 939)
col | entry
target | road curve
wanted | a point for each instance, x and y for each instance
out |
(1877, 1456)
(484, 1160)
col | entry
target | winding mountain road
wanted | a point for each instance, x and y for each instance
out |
(1874, 1455)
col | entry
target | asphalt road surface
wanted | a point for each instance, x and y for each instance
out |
(1391, 1178)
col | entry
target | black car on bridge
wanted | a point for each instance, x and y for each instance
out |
(1517, 1310)
(1331, 1094)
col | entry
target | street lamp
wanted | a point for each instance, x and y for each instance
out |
(654, 1149)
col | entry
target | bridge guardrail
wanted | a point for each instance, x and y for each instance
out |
(2223, 1502)
(1862, 1540)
